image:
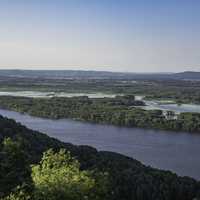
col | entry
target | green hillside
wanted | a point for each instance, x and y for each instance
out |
(87, 173)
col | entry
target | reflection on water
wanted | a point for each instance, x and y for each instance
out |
(178, 152)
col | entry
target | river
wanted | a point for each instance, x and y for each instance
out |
(178, 152)
(152, 105)
(38, 94)
(168, 105)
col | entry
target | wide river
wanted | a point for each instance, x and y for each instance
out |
(179, 152)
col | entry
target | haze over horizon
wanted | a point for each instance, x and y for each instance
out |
(90, 69)
(127, 36)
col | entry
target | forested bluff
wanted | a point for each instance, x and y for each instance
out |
(37, 167)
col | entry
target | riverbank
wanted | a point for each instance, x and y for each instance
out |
(159, 149)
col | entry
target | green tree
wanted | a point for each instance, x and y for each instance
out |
(58, 176)
(19, 194)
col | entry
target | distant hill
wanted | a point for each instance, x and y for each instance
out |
(61, 74)
(187, 75)
(80, 74)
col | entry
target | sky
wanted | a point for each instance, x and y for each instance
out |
(112, 35)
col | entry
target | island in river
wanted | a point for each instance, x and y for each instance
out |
(121, 111)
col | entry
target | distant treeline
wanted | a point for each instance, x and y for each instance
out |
(34, 166)
(121, 111)
(60, 74)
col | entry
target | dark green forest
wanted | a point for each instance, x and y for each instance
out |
(120, 111)
(35, 166)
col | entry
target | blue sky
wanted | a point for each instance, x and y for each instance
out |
(114, 35)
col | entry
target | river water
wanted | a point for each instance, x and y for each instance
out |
(152, 105)
(38, 94)
(178, 152)
(168, 105)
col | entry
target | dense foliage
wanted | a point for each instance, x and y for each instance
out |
(122, 111)
(58, 176)
(26, 172)
(14, 169)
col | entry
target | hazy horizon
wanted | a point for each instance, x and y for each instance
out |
(78, 69)
(123, 36)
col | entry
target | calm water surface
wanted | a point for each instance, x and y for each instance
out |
(178, 152)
